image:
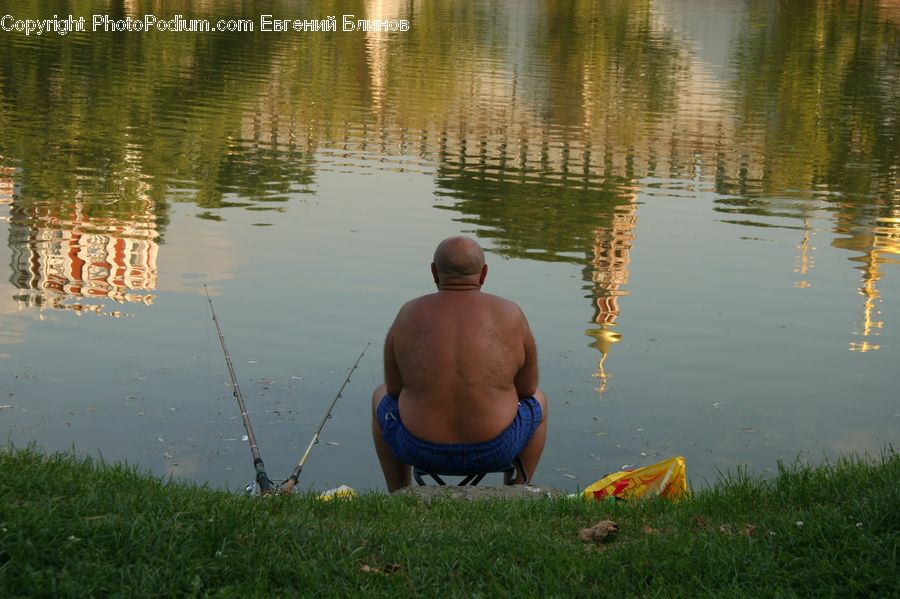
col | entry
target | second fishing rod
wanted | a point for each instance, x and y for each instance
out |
(288, 485)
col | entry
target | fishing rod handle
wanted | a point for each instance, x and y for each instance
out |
(262, 479)
(287, 487)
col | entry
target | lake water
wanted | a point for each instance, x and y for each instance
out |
(695, 202)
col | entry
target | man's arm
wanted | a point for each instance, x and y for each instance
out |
(527, 378)
(392, 379)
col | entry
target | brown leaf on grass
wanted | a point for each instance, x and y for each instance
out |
(388, 569)
(701, 522)
(749, 530)
(649, 530)
(601, 532)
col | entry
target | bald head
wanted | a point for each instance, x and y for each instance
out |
(458, 259)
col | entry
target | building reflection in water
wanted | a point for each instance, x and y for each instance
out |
(11, 327)
(612, 249)
(512, 147)
(64, 253)
(7, 185)
(878, 243)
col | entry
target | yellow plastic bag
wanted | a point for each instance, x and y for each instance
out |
(342, 492)
(667, 478)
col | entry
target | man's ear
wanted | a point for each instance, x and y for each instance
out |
(434, 274)
(483, 275)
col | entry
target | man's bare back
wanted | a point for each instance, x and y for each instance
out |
(457, 356)
(458, 361)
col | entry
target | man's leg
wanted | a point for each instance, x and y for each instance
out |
(531, 455)
(396, 474)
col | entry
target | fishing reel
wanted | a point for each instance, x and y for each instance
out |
(252, 489)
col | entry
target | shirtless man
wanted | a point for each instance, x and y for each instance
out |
(460, 369)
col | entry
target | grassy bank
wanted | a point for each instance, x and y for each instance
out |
(69, 527)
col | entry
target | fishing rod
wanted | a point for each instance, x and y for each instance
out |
(288, 485)
(262, 479)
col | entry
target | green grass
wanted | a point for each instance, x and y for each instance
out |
(71, 527)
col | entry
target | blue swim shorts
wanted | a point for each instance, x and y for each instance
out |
(458, 458)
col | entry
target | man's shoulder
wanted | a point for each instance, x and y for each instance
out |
(502, 302)
(419, 301)
(416, 304)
